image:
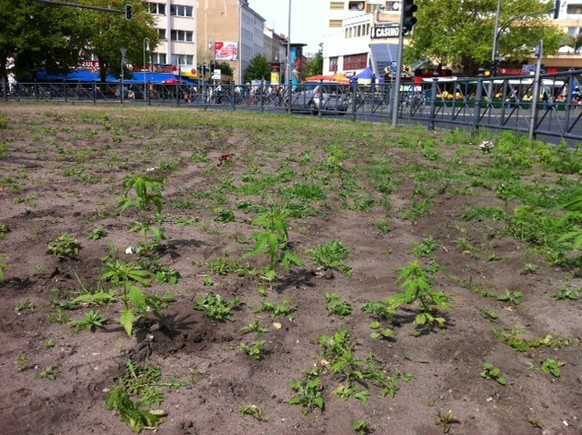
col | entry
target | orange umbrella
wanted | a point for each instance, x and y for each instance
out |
(340, 78)
(317, 78)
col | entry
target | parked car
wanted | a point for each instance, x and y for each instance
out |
(319, 96)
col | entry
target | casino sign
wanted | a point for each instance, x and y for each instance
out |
(381, 32)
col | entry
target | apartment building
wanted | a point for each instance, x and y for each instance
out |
(229, 31)
(176, 22)
(363, 33)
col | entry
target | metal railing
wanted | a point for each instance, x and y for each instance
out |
(500, 103)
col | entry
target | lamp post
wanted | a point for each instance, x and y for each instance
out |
(146, 47)
(288, 73)
(495, 39)
(123, 53)
(212, 49)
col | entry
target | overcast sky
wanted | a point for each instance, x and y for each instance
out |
(308, 19)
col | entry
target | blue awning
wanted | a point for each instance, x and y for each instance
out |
(87, 76)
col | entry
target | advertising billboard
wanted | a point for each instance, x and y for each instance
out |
(225, 51)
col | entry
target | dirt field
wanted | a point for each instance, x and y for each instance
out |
(390, 197)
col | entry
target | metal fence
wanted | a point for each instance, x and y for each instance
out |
(501, 103)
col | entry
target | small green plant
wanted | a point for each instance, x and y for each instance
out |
(348, 391)
(530, 269)
(49, 344)
(552, 367)
(22, 362)
(309, 394)
(25, 306)
(253, 327)
(331, 256)
(49, 373)
(380, 333)
(383, 226)
(424, 248)
(224, 215)
(490, 315)
(38, 269)
(4, 230)
(147, 199)
(65, 246)
(253, 411)
(208, 281)
(511, 296)
(493, 373)
(567, 294)
(134, 414)
(361, 427)
(167, 275)
(466, 247)
(97, 234)
(446, 420)
(334, 305)
(214, 307)
(125, 277)
(254, 349)
(417, 285)
(91, 320)
(284, 309)
(3, 265)
(274, 239)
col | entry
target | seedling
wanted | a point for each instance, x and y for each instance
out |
(361, 427)
(491, 315)
(283, 309)
(49, 344)
(552, 367)
(37, 269)
(91, 320)
(97, 234)
(511, 296)
(331, 256)
(214, 307)
(347, 391)
(424, 248)
(334, 305)
(3, 265)
(254, 349)
(379, 332)
(530, 269)
(25, 306)
(383, 226)
(224, 215)
(208, 281)
(4, 230)
(49, 373)
(133, 414)
(22, 362)
(147, 196)
(253, 327)
(64, 247)
(167, 275)
(493, 373)
(309, 394)
(253, 411)
(567, 293)
(446, 419)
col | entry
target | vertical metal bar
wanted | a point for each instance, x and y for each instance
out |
(478, 101)
(536, 91)
(433, 94)
(396, 90)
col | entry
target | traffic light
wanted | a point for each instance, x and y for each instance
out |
(408, 18)
(128, 12)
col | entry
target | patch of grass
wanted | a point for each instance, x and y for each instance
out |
(216, 308)
(65, 246)
(331, 256)
(334, 305)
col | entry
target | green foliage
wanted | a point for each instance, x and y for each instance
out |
(214, 307)
(380, 333)
(331, 256)
(334, 305)
(258, 69)
(254, 349)
(493, 373)
(417, 285)
(98, 298)
(224, 265)
(524, 345)
(309, 394)
(567, 293)
(25, 306)
(91, 320)
(125, 277)
(361, 427)
(511, 296)
(65, 246)
(97, 234)
(383, 226)
(253, 411)
(273, 241)
(424, 248)
(3, 265)
(22, 362)
(4, 230)
(446, 420)
(315, 65)
(552, 367)
(284, 309)
(253, 327)
(133, 414)
(167, 275)
(50, 373)
(491, 315)
(224, 215)
(147, 198)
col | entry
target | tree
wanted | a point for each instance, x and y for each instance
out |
(39, 37)
(315, 65)
(460, 33)
(258, 69)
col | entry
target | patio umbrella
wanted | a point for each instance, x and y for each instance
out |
(340, 78)
(317, 78)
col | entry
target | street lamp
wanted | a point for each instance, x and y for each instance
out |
(495, 39)
(146, 47)
(289, 61)
(123, 53)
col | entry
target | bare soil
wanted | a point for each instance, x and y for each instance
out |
(62, 173)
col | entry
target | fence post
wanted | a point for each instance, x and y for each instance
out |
(433, 94)
(478, 98)
(354, 99)
(65, 91)
(231, 91)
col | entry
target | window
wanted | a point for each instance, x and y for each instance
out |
(183, 59)
(355, 61)
(574, 9)
(162, 34)
(182, 35)
(357, 5)
(333, 64)
(157, 8)
(335, 23)
(181, 11)
(573, 31)
(159, 58)
(336, 5)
